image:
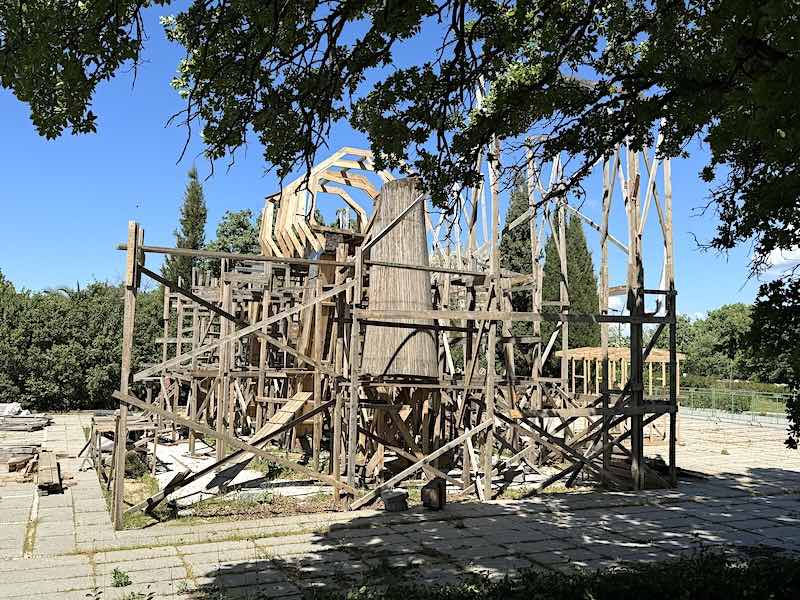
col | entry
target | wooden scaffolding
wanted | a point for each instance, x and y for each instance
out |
(385, 344)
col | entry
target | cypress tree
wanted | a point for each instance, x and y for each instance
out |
(191, 233)
(515, 255)
(582, 288)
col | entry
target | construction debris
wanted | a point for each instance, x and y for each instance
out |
(14, 419)
(17, 457)
(434, 494)
(395, 500)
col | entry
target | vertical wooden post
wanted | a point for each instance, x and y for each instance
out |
(491, 346)
(194, 386)
(636, 309)
(674, 365)
(318, 341)
(466, 420)
(339, 362)
(536, 299)
(355, 336)
(263, 349)
(609, 168)
(585, 375)
(223, 390)
(135, 239)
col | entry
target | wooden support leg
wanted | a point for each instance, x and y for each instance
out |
(135, 239)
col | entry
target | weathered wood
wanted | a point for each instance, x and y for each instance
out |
(48, 474)
(393, 350)
(418, 465)
(249, 330)
(228, 439)
(135, 240)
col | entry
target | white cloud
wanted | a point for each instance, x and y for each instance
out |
(780, 262)
(783, 259)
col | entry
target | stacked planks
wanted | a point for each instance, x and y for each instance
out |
(24, 423)
(49, 474)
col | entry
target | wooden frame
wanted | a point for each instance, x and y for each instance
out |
(292, 321)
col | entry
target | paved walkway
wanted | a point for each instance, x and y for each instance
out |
(63, 546)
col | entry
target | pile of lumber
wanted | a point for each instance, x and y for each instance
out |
(25, 458)
(24, 423)
(16, 458)
(49, 474)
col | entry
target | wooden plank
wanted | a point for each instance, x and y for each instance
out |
(498, 315)
(240, 457)
(235, 256)
(48, 478)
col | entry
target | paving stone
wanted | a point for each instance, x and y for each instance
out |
(144, 576)
(283, 589)
(25, 589)
(53, 546)
(93, 518)
(135, 554)
(82, 569)
(141, 564)
(55, 515)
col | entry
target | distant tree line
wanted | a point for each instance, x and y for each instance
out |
(60, 349)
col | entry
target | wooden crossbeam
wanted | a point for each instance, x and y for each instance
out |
(418, 465)
(497, 315)
(240, 333)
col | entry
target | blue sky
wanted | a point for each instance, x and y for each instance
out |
(65, 203)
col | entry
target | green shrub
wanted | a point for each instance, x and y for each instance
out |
(120, 578)
(135, 465)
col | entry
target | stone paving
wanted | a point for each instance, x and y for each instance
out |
(63, 546)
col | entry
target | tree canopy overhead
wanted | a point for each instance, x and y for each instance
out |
(589, 74)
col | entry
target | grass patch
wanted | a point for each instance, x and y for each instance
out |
(264, 505)
(520, 492)
(136, 491)
(30, 537)
(274, 471)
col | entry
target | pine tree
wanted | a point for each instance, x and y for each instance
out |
(191, 233)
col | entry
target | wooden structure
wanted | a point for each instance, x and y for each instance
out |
(585, 369)
(386, 345)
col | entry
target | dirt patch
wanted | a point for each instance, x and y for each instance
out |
(258, 507)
